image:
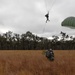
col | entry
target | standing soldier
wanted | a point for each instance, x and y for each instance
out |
(50, 54)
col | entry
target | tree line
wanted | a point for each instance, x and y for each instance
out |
(29, 41)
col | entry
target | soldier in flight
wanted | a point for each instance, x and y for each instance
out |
(47, 17)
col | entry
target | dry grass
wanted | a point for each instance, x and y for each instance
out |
(35, 63)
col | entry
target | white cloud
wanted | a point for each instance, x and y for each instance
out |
(23, 15)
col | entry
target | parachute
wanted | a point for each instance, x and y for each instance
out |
(69, 22)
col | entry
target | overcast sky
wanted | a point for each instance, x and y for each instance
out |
(20, 16)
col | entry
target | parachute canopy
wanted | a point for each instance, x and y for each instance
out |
(69, 22)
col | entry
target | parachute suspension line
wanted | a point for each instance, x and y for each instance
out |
(52, 5)
(44, 31)
(44, 28)
(48, 10)
(47, 6)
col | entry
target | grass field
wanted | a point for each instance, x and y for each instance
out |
(31, 62)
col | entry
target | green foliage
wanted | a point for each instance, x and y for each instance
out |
(29, 41)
